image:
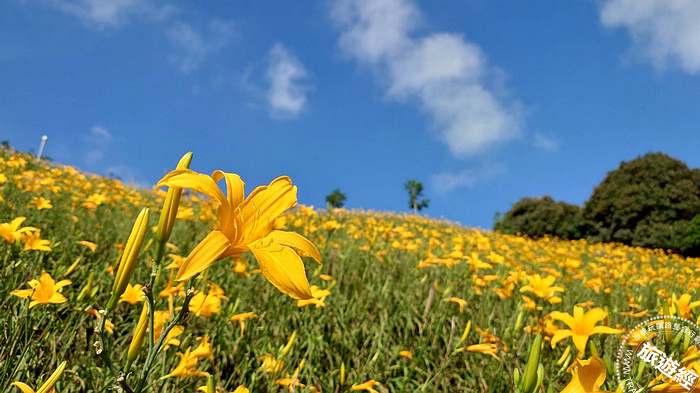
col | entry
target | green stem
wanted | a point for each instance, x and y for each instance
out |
(154, 350)
(104, 354)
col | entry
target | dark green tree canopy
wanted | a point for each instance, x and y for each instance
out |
(644, 202)
(336, 199)
(415, 191)
(537, 217)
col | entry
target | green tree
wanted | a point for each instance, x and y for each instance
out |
(335, 199)
(537, 217)
(415, 191)
(648, 202)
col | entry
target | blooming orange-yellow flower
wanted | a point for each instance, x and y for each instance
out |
(586, 376)
(460, 302)
(40, 203)
(187, 366)
(319, 297)
(132, 294)
(11, 231)
(367, 386)
(542, 287)
(44, 290)
(92, 246)
(581, 327)
(33, 241)
(248, 225)
(241, 319)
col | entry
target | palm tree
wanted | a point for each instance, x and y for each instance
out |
(415, 191)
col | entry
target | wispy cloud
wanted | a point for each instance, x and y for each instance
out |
(446, 75)
(665, 31)
(286, 76)
(101, 132)
(468, 177)
(112, 13)
(194, 45)
(545, 143)
(97, 144)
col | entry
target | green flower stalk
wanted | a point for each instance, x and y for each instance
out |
(129, 257)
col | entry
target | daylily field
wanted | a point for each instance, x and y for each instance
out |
(252, 291)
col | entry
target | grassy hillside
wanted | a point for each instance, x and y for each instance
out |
(403, 290)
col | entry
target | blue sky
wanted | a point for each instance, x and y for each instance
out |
(485, 102)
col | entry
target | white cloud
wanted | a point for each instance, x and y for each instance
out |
(96, 144)
(665, 31)
(286, 95)
(446, 182)
(448, 76)
(101, 132)
(545, 143)
(196, 45)
(112, 13)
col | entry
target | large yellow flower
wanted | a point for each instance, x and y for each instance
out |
(248, 225)
(582, 327)
(586, 376)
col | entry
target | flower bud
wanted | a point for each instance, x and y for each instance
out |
(530, 376)
(287, 347)
(129, 257)
(139, 334)
(342, 374)
(170, 205)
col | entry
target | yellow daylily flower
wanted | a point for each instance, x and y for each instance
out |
(319, 297)
(132, 294)
(541, 287)
(581, 326)
(33, 241)
(11, 231)
(587, 376)
(247, 225)
(187, 366)
(44, 290)
(460, 302)
(47, 386)
(92, 246)
(367, 386)
(241, 319)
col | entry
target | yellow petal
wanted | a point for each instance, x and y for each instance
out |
(203, 256)
(185, 178)
(560, 335)
(282, 267)
(268, 202)
(23, 387)
(235, 187)
(587, 376)
(605, 330)
(564, 317)
(295, 240)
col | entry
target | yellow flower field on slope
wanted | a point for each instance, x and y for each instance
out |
(379, 293)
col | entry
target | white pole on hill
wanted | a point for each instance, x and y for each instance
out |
(41, 147)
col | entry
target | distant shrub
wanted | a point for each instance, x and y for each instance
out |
(537, 217)
(648, 202)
